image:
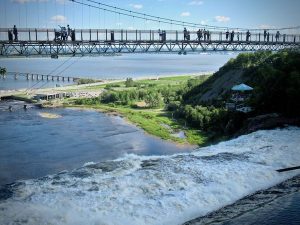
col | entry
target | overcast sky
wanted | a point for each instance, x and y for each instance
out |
(231, 13)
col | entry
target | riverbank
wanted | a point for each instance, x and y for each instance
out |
(155, 121)
(158, 123)
(145, 102)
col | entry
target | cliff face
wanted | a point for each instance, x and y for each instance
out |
(222, 85)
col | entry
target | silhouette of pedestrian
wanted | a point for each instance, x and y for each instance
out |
(162, 35)
(10, 35)
(69, 31)
(238, 36)
(15, 31)
(112, 35)
(265, 35)
(268, 37)
(248, 35)
(199, 34)
(73, 35)
(208, 35)
(277, 36)
(227, 35)
(232, 36)
(205, 34)
(185, 34)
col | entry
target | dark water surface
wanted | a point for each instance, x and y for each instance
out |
(33, 146)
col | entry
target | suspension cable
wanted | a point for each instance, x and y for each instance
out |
(55, 69)
(167, 20)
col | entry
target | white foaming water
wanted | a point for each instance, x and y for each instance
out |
(140, 190)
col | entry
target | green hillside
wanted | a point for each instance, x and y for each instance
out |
(275, 78)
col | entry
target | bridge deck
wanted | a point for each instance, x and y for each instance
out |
(100, 41)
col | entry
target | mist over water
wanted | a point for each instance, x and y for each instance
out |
(157, 190)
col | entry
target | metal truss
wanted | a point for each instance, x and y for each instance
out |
(48, 48)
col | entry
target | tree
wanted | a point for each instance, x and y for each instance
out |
(129, 82)
(153, 99)
(2, 71)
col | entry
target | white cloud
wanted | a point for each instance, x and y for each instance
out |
(185, 14)
(27, 1)
(59, 19)
(222, 19)
(136, 6)
(196, 2)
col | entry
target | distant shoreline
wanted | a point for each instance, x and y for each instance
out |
(104, 81)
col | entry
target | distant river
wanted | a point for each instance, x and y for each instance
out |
(110, 67)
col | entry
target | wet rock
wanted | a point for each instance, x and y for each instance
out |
(5, 192)
(105, 166)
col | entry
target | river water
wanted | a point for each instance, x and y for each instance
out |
(86, 167)
(109, 67)
(33, 146)
(144, 187)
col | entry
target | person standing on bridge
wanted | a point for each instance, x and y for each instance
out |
(277, 36)
(238, 36)
(69, 31)
(185, 34)
(199, 35)
(248, 35)
(265, 35)
(10, 35)
(208, 35)
(15, 32)
(268, 36)
(232, 36)
(227, 35)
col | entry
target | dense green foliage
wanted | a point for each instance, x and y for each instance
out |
(275, 78)
(85, 81)
(155, 93)
(129, 82)
(204, 118)
(276, 82)
(2, 71)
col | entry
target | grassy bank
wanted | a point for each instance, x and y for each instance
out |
(131, 100)
(154, 122)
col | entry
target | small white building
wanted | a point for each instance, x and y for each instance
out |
(240, 94)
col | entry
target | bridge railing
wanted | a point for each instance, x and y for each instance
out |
(112, 35)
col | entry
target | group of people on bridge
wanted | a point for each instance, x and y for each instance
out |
(65, 32)
(205, 34)
(13, 34)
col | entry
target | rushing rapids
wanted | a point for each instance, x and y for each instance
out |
(155, 190)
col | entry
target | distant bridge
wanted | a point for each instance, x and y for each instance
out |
(42, 42)
(41, 77)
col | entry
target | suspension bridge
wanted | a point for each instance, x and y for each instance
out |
(191, 37)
